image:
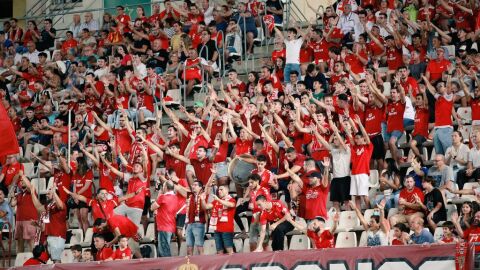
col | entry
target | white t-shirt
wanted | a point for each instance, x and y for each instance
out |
(341, 162)
(292, 48)
(409, 110)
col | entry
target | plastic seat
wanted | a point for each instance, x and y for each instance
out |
(77, 237)
(87, 239)
(348, 221)
(466, 131)
(67, 256)
(299, 242)
(465, 113)
(28, 169)
(363, 239)
(174, 249)
(22, 257)
(40, 185)
(149, 234)
(467, 198)
(245, 225)
(346, 239)
(238, 245)
(209, 247)
(183, 249)
(246, 246)
(374, 182)
(451, 208)
(438, 234)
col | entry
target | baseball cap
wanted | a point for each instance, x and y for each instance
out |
(315, 174)
(198, 104)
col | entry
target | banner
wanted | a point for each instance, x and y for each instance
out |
(8, 139)
(421, 257)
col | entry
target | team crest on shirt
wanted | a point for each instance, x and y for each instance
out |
(360, 151)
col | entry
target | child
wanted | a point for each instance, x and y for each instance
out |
(400, 234)
(448, 233)
(87, 255)
(77, 253)
(123, 252)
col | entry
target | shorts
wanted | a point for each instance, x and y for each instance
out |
(25, 230)
(146, 206)
(222, 169)
(79, 205)
(340, 189)
(180, 220)
(55, 247)
(419, 139)
(195, 234)
(378, 147)
(223, 240)
(396, 133)
(254, 233)
(359, 185)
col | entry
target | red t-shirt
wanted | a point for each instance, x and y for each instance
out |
(324, 240)
(320, 50)
(202, 169)
(436, 68)
(122, 254)
(137, 201)
(225, 215)
(278, 53)
(276, 213)
(165, 218)
(472, 235)
(104, 254)
(123, 139)
(373, 120)
(243, 147)
(125, 20)
(373, 47)
(394, 58)
(107, 177)
(107, 207)
(360, 158)
(58, 224)
(178, 166)
(9, 171)
(316, 201)
(80, 181)
(408, 196)
(61, 179)
(421, 122)
(253, 197)
(396, 242)
(25, 208)
(124, 224)
(395, 112)
(266, 177)
(410, 82)
(443, 110)
(475, 105)
(222, 153)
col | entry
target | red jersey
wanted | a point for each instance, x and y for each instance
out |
(199, 141)
(122, 254)
(125, 20)
(243, 147)
(137, 201)
(61, 179)
(202, 169)
(472, 235)
(394, 58)
(360, 158)
(373, 120)
(103, 210)
(356, 66)
(123, 139)
(253, 197)
(410, 83)
(222, 153)
(165, 218)
(421, 122)
(80, 181)
(475, 105)
(225, 215)
(436, 68)
(316, 201)
(424, 11)
(124, 224)
(320, 50)
(396, 242)
(178, 166)
(25, 208)
(278, 53)
(57, 224)
(324, 240)
(9, 171)
(395, 112)
(409, 196)
(104, 254)
(107, 177)
(443, 110)
(374, 49)
(266, 176)
(277, 212)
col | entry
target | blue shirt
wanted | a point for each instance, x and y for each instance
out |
(424, 237)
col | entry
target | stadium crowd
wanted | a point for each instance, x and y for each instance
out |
(371, 109)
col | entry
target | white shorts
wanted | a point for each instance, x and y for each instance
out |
(359, 185)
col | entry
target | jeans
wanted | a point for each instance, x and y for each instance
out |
(278, 235)
(195, 234)
(391, 201)
(164, 239)
(442, 139)
(288, 68)
(223, 240)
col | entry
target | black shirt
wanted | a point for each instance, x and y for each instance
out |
(138, 44)
(27, 124)
(160, 59)
(47, 41)
(431, 199)
(206, 51)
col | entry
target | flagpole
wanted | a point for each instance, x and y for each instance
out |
(69, 130)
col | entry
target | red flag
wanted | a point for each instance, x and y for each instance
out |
(269, 21)
(8, 139)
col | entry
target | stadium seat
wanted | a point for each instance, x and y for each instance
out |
(40, 185)
(22, 257)
(346, 239)
(367, 215)
(330, 214)
(451, 208)
(77, 237)
(153, 253)
(299, 242)
(465, 113)
(386, 88)
(374, 182)
(246, 246)
(392, 211)
(209, 247)
(149, 234)
(466, 132)
(238, 245)
(174, 248)
(245, 225)
(348, 221)
(67, 256)
(438, 234)
(466, 198)
(87, 240)
(29, 169)
(363, 239)
(183, 249)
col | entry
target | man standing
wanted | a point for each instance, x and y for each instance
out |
(293, 46)
(167, 205)
(281, 222)
(196, 219)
